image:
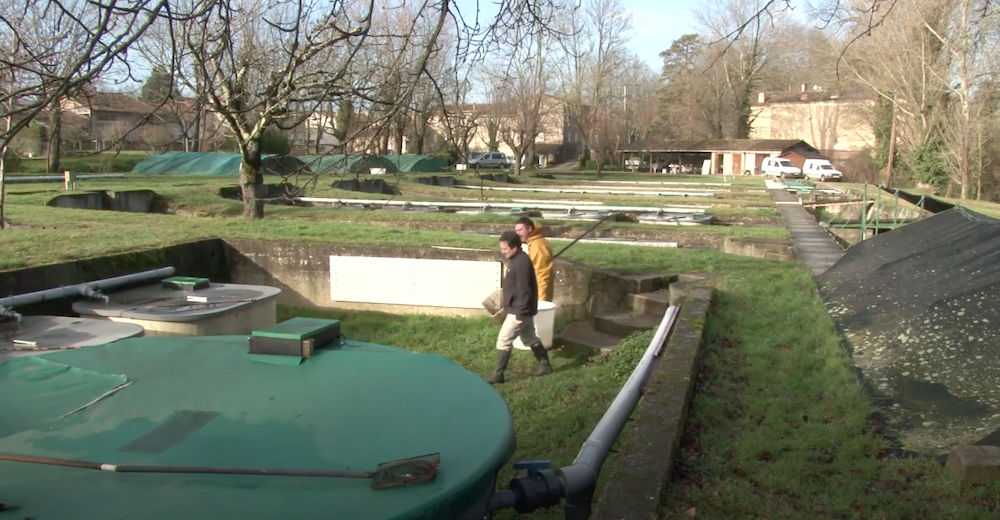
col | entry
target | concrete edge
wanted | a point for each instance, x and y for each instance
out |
(642, 469)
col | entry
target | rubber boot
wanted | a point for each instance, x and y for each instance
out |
(542, 356)
(502, 360)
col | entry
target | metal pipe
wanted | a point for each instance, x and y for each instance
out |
(576, 482)
(506, 205)
(60, 178)
(585, 233)
(86, 289)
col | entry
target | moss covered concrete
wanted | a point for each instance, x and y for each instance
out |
(642, 470)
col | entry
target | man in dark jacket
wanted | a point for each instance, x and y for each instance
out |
(520, 302)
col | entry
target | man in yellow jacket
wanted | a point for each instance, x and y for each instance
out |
(540, 254)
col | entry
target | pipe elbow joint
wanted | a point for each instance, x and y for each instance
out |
(11, 313)
(541, 490)
(90, 292)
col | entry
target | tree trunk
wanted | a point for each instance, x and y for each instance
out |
(252, 182)
(198, 116)
(55, 138)
(419, 137)
(518, 154)
(400, 132)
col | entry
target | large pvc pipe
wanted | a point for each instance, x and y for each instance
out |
(506, 205)
(599, 192)
(582, 474)
(59, 178)
(667, 183)
(575, 483)
(88, 289)
(642, 188)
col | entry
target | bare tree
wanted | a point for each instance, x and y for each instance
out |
(596, 49)
(640, 84)
(38, 68)
(521, 89)
(744, 59)
(969, 38)
(274, 64)
(934, 64)
(459, 119)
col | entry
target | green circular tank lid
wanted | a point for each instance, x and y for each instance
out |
(204, 402)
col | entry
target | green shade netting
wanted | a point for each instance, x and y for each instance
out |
(211, 163)
(35, 390)
(418, 163)
(330, 164)
(202, 402)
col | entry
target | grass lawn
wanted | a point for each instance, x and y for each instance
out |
(199, 194)
(553, 415)
(202, 213)
(779, 427)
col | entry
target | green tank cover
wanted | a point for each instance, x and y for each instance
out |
(187, 283)
(201, 402)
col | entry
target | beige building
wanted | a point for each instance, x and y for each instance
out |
(558, 139)
(105, 119)
(839, 125)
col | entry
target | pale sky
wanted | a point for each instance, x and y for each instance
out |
(655, 23)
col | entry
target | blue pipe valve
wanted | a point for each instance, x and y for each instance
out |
(540, 488)
(533, 466)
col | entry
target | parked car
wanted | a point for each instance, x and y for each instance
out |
(778, 167)
(821, 169)
(490, 160)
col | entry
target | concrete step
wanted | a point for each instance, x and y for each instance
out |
(654, 303)
(640, 283)
(580, 336)
(623, 324)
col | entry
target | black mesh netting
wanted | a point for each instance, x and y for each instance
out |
(919, 306)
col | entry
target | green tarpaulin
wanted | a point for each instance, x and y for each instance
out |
(202, 402)
(331, 164)
(35, 391)
(211, 163)
(418, 163)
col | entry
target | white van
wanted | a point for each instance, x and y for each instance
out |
(779, 167)
(821, 169)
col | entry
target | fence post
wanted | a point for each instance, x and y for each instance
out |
(864, 213)
(69, 181)
(895, 207)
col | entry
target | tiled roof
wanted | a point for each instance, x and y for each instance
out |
(715, 145)
(113, 102)
(811, 96)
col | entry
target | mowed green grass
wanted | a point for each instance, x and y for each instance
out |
(198, 195)
(49, 235)
(779, 427)
(552, 415)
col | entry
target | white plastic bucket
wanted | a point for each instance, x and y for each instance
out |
(545, 324)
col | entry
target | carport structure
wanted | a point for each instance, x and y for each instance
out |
(727, 156)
